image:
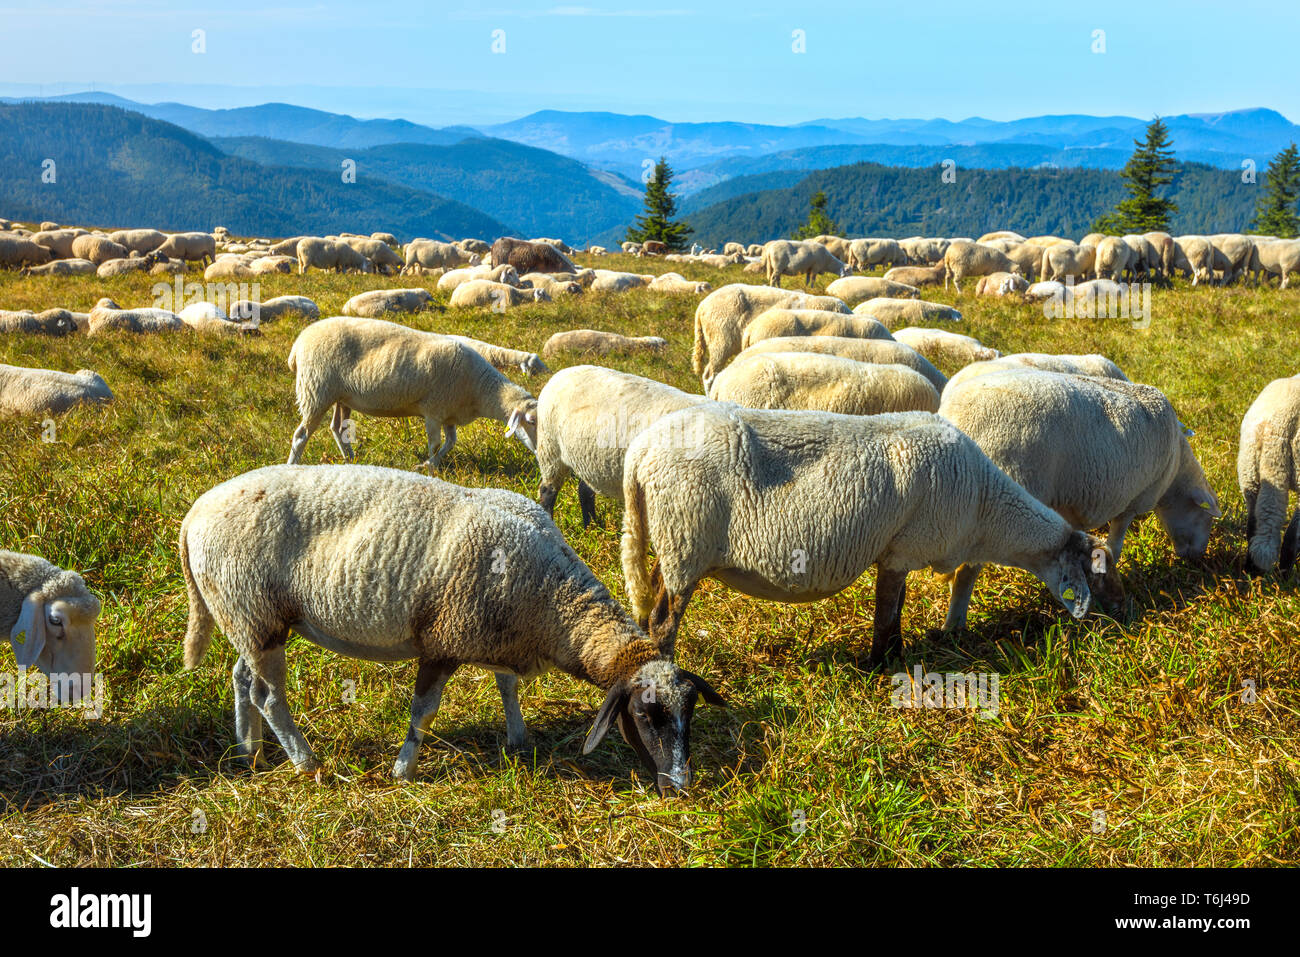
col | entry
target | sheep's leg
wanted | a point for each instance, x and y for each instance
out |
(1250, 514)
(1269, 514)
(341, 426)
(1290, 543)
(433, 430)
(554, 475)
(270, 676)
(959, 595)
(516, 733)
(1116, 529)
(248, 720)
(429, 682)
(887, 637)
(666, 615)
(310, 423)
(586, 502)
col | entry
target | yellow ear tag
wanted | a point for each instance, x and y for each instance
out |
(21, 639)
(1068, 594)
(1205, 505)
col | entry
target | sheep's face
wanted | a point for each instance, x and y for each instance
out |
(1068, 573)
(59, 639)
(654, 711)
(1187, 517)
(523, 423)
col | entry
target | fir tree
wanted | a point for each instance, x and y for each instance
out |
(1276, 213)
(660, 207)
(1151, 166)
(819, 222)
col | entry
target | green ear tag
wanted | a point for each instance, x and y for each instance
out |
(1068, 594)
(21, 639)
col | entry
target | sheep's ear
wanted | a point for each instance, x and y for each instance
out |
(1206, 501)
(704, 688)
(614, 702)
(28, 635)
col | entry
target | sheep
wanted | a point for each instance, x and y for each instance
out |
(227, 267)
(381, 256)
(597, 251)
(122, 267)
(559, 244)
(266, 265)
(722, 315)
(949, 347)
(1114, 257)
(1267, 475)
(51, 322)
(1027, 256)
(1001, 284)
(379, 302)
(385, 565)
(105, 318)
(778, 323)
(1063, 260)
(62, 267)
(631, 248)
(782, 257)
(653, 247)
(327, 254)
(676, 284)
(752, 506)
(506, 360)
(381, 368)
(869, 253)
(1099, 451)
(58, 241)
(1238, 250)
(98, 249)
(1162, 244)
(594, 342)
(429, 254)
(586, 416)
(1045, 241)
(1145, 259)
(964, 259)
(856, 289)
(273, 309)
(530, 257)
(189, 247)
(921, 250)
(831, 383)
(474, 247)
(1195, 256)
(1088, 365)
(388, 239)
(138, 240)
(207, 317)
(1279, 257)
(881, 351)
(26, 391)
(507, 274)
(838, 246)
(16, 252)
(553, 284)
(894, 311)
(499, 296)
(733, 249)
(609, 281)
(1001, 234)
(913, 276)
(1049, 290)
(49, 615)
(287, 247)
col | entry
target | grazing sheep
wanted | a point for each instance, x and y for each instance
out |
(287, 247)
(778, 323)
(1001, 284)
(507, 274)
(49, 615)
(327, 254)
(1001, 234)
(733, 249)
(138, 240)
(592, 342)
(1194, 255)
(869, 253)
(58, 241)
(913, 276)
(1163, 246)
(1279, 257)
(783, 257)
(387, 239)
(1065, 260)
(1099, 451)
(948, 347)
(830, 383)
(880, 351)
(722, 315)
(26, 391)
(273, 309)
(1267, 475)
(922, 250)
(189, 247)
(530, 257)
(62, 267)
(380, 302)
(838, 246)
(1027, 256)
(1238, 250)
(17, 252)
(384, 565)
(478, 293)
(105, 318)
(380, 254)
(1114, 258)
(794, 506)
(383, 369)
(675, 284)
(425, 254)
(892, 312)
(964, 259)
(1089, 365)
(51, 322)
(586, 417)
(856, 289)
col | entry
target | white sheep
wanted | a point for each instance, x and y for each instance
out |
(49, 615)
(448, 281)
(506, 360)
(962, 259)
(51, 322)
(868, 253)
(830, 383)
(479, 293)
(938, 345)
(104, 318)
(380, 302)
(429, 254)
(784, 257)
(885, 351)
(596, 343)
(794, 506)
(1267, 474)
(1100, 451)
(1090, 365)
(676, 284)
(779, 323)
(856, 289)
(385, 565)
(892, 312)
(273, 309)
(384, 369)
(25, 391)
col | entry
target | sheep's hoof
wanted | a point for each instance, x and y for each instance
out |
(404, 770)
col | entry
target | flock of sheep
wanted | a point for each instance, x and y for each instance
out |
(825, 440)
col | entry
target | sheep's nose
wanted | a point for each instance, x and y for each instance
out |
(677, 781)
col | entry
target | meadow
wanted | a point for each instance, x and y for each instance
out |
(1128, 741)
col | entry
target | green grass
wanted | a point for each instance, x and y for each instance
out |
(809, 766)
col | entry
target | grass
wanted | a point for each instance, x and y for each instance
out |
(811, 765)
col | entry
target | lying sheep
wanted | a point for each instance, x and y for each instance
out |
(1267, 475)
(105, 318)
(554, 285)
(63, 267)
(586, 417)
(266, 265)
(479, 293)
(51, 322)
(883, 351)
(947, 347)
(26, 391)
(608, 281)
(913, 276)
(973, 259)
(752, 506)
(227, 267)
(273, 309)
(856, 289)
(447, 576)
(506, 360)
(475, 247)
(49, 615)
(123, 267)
(722, 315)
(327, 254)
(507, 274)
(381, 368)
(17, 252)
(676, 284)
(1001, 284)
(1099, 451)
(593, 342)
(892, 312)
(1001, 234)
(830, 383)
(783, 257)
(379, 302)
(189, 247)
(208, 318)
(779, 323)
(1089, 365)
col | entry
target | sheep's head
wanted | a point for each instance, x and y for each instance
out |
(523, 423)
(1069, 571)
(55, 632)
(653, 710)
(1187, 512)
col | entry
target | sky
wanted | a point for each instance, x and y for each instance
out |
(445, 63)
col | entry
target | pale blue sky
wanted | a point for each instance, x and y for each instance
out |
(681, 60)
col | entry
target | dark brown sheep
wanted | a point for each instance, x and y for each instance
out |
(530, 257)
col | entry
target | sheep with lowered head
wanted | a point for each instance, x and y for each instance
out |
(831, 383)
(1267, 475)
(384, 565)
(784, 257)
(49, 615)
(963, 259)
(384, 369)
